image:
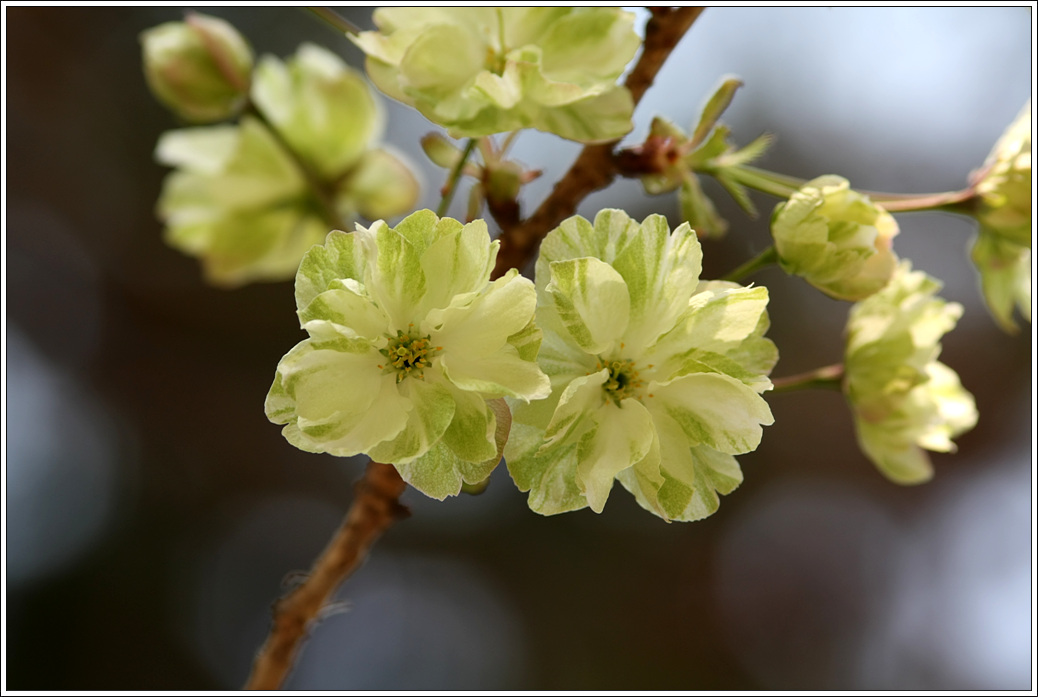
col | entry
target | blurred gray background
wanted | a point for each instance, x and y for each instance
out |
(153, 514)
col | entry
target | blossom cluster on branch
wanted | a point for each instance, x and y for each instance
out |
(619, 363)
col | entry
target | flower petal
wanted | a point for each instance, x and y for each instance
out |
(592, 300)
(622, 435)
(714, 410)
(661, 270)
(340, 257)
(348, 309)
(573, 415)
(435, 473)
(550, 476)
(431, 414)
(471, 432)
(458, 262)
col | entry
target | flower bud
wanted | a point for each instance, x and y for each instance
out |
(835, 238)
(200, 68)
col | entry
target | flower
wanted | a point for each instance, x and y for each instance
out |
(199, 68)
(903, 399)
(483, 70)
(835, 238)
(1005, 185)
(656, 376)
(1002, 249)
(247, 205)
(408, 340)
(1005, 278)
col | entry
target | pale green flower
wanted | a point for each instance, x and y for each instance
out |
(484, 70)
(250, 208)
(408, 339)
(200, 68)
(1002, 250)
(1005, 278)
(835, 238)
(656, 376)
(903, 399)
(1005, 186)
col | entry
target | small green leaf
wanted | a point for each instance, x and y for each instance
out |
(715, 106)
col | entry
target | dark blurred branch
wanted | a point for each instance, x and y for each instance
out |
(335, 20)
(374, 509)
(594, 168)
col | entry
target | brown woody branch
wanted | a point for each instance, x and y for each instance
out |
(594, 168)
(376, 505)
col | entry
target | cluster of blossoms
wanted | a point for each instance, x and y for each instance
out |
(249, 199)
(618, 363)
(549, 68)
(650, 376)
(903, 399)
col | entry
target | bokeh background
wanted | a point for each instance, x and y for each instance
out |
(153, 514)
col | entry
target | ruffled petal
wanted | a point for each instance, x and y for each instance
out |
(714, 410)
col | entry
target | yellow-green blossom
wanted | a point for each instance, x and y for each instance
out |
(835, 238)
(200, 68)
(249, 201)
(1002, 250)
(656, 376)
(1005, 187)
(903, 399)
(408, 339)
(484, 70)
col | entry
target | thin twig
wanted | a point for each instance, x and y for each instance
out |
(829, 377)
(321, 190)
(335, 20)
(452, 180)
(375, 507)
(594, 168)
(766, 258)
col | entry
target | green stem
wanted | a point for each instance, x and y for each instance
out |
(335, 20)
(452, 179)
(828, 378)
(784, 186)
(766, 258)
(322, 190)
(762, 180)
(895, 203)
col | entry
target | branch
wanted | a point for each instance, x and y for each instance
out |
(594, 168)
(375, 507)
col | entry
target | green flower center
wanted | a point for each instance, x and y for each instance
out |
(623, 380)
(408, 354)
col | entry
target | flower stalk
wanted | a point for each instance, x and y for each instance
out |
(829, 377)
(766, 258)
(783, 186)
(335, 20)
(447, 193)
